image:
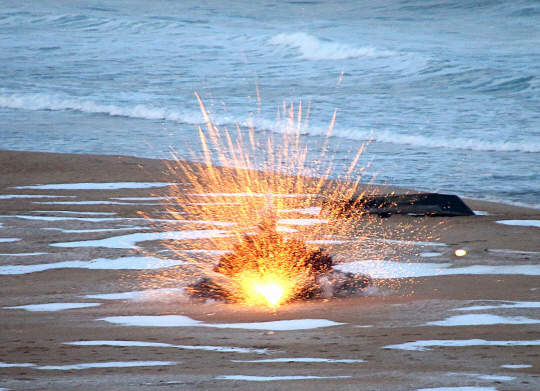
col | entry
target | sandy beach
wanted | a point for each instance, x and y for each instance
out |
(471, 321)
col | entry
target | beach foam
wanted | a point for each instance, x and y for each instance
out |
(301, 221)
(521, 223)
(314, 210)
(161, 295)
(223, 349)
(516, 366)
(10, 196)
(130, 241)
(303, 359)
(21, 254)
(82, 231)
(482, 319)
(425, 345)
(8, 240)
(53, 306)
(184, 321)
(458, 389)
(312, 48)
(506, 304)
(124, 263)
(16, 365)
(111, 364)
(97, 186)
(75, 212)
(92, 203)
(392, 269)
(275, 378)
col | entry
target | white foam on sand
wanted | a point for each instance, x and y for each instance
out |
(124, 219)
(222, 349)
(8, 240)
(507, 251)
(303, 359)
(142, 198)
(21, 254)
(16, 365)
(92, 203)
(482, 319)
(250, 195)
(61, 218)
(410, 242)
(496, 377)
(482, 213)
(281, 228)
(53, 306)
(516, 366)
(184, 321)
(129, 241)
(276, 378)
(111, 364)
(313, 210)
(521, 223)
(507, 304)
(392, 269)
(11, 196)
(458, 389)
(430, 255)
(97, 186)
(124, 263)
(165, 294)
(484, 377)
(425, 345)
(301, 221)
(83, 231)
(329, 241)
(74, 212)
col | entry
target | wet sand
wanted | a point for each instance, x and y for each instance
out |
(394, 316)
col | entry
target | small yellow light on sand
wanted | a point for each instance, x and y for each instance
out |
(460, 252)
(273, 293)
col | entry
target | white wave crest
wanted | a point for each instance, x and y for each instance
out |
(472, 144)
(312, 48)
(57, 103)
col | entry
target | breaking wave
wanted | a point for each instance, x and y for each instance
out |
(471, 144)
(57, 103)
(312, 48)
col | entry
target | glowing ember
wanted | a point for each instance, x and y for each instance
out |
(460, 252)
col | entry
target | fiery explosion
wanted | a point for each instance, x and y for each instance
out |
(259, 199)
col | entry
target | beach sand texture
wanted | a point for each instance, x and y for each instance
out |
(408, 338)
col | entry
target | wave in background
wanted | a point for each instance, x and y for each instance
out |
(58, 103)
(312, 48)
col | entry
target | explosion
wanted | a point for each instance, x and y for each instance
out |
(264, 260)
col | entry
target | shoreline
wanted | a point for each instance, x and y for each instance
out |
(500, 273)
(63, 163)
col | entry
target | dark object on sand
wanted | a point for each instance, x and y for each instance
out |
(429, 204)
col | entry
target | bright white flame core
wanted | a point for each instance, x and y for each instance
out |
(273, 293)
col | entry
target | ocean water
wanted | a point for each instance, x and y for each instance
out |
(447, 90)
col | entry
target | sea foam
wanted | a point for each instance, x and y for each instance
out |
(313, 48)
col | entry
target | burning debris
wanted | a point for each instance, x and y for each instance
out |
(266, 268)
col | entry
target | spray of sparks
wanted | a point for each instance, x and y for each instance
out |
(264, 209)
